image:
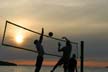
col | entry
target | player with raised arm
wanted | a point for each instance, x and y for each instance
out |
(66, 55)
(40, 50)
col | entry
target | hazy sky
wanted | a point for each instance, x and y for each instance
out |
(85, 20)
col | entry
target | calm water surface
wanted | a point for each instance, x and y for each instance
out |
(44, 69)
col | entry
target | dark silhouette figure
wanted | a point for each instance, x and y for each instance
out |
(66, 55)
(40, 51)
(72, 64)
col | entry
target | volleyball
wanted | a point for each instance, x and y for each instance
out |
(50, 34)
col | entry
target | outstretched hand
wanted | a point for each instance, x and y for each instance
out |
(42, 29)
(64, 38)
(59, 44)
(41, 36)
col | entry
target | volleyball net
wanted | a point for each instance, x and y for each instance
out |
(19, 37)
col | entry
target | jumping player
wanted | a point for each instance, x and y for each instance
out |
(40, 50)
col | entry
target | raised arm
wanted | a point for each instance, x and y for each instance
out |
(59, 45)
(41, 36)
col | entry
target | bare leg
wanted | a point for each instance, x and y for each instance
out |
(39, 63)
(59, 63)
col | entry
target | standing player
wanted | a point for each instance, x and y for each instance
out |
(66, 55)
(40, 50)
(73, 64)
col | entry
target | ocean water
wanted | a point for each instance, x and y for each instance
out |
(45, 69)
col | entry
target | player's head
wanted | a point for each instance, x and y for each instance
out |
(36, 41)
(67, 41)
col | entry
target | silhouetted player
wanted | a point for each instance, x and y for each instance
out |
(40, 51)
(66, 55)
(73, 64)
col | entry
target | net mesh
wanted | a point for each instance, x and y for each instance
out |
(20, 37)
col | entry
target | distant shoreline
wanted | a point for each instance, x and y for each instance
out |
(4, 63)
(106, 67)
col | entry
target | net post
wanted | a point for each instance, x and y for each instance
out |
(82, 57)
